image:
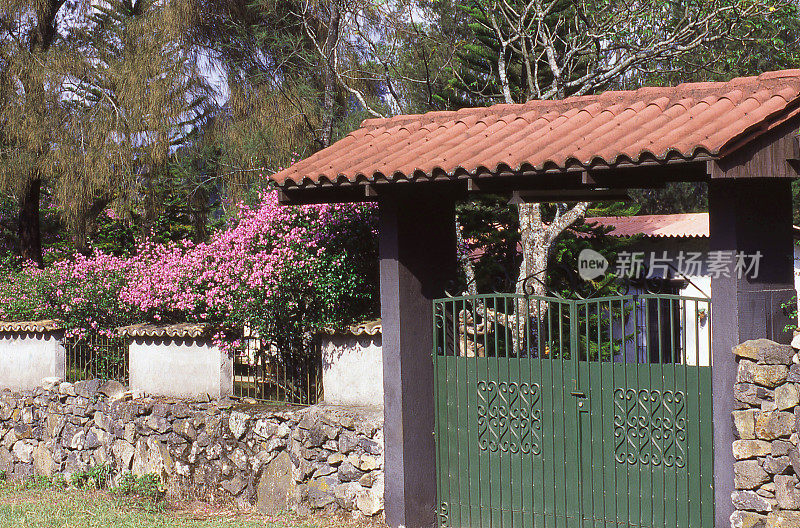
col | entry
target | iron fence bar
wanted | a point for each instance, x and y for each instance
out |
(436, 420)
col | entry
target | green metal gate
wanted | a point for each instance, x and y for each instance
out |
(573, 413)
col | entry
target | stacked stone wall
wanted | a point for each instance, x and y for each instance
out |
(767, 392)
(314, 458)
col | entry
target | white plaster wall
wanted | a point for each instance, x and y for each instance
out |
(697, 332)
(25, 359)
(183, 368)
(352, 369)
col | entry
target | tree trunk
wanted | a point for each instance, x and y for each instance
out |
(329, 97)
(465, 261)
(536, 244)
(40, 38)
(29, 238)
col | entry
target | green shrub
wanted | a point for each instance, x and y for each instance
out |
(96, 477)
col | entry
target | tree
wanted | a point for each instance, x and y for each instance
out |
(549, 49)
(29, 102)
(93, 110)
(136, 94)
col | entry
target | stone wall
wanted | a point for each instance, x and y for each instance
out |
(316, 458)
(767, 391)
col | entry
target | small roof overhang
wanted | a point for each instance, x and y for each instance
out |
(680, 225)
(614, 140)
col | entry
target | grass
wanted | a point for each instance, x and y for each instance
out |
(56, 507)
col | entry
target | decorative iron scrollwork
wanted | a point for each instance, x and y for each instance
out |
(444, 515)
(509, 417)
(650, 427)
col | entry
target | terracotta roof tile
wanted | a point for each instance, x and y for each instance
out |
(683, 122)
(180, 330)
(665, 225)
(370, 328)
(30, 327)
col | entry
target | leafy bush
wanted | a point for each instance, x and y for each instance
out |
(143, 492)
(96, 477)
(282, 272)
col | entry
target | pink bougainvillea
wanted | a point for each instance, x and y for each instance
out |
(280, 271)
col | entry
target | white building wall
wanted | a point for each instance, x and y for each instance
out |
(696, 322)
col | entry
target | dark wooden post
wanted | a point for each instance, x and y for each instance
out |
(418, 258)
(746, 215)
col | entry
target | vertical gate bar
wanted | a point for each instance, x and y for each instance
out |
(475, 465)
(556, 479)
(504, 373)
(574, 353)
(660, 337)
(684, 361)
(540, 353)
(464, 398)
(710, 457)
(437, 437)
(695, 473)
(468, 390)
(448, 383)
(676, 349)
(646, 363)
(706, 456)
(489, 473)
(628, 373)
(669, 345)
(519, 348)
(504, 368)
(512, 457)
(499, 349)
(587, 390)
(461, 353)
(608, 457)
(528, 347)
(596, 471)
(496, 464)
(516, 345)
(688, 465)
(563, 408)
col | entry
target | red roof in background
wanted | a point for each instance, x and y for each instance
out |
(667, 225)
(690, 121)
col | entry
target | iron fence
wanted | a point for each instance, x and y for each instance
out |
(262, 372)
(642, 328)
(97, 357)
(557, 412)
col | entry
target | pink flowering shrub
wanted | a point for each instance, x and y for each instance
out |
(282, 272)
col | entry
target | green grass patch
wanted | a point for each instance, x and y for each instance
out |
(51, 504)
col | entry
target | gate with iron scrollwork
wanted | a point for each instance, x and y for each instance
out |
(573, 413)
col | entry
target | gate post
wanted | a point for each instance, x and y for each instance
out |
(417, 259)
(745, 215)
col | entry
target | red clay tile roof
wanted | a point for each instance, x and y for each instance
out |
(666, 225)
(180, 330)
(30, 327)
(690, 121)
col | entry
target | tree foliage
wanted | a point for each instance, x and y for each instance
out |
(93, 108)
